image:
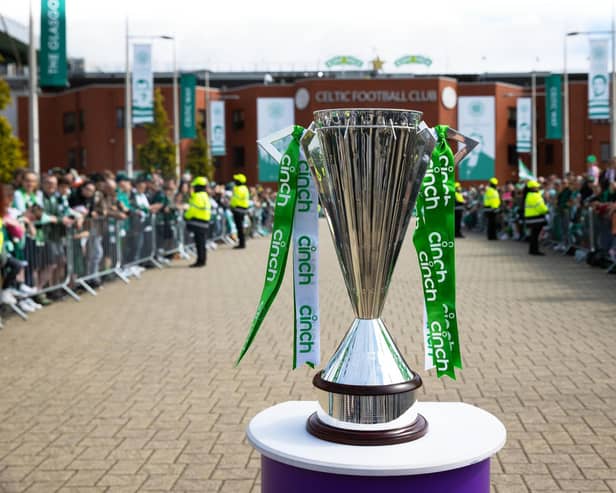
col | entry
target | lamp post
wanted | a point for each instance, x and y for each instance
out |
(128, 128)
(566, 154)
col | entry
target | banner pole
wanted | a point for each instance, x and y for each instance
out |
(207, 116)
(534, 123)
(565, 110)
(128, 124)
(613, 101)
(33, 141)
(176, 111)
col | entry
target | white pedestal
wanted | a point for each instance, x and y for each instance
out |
(458, 435)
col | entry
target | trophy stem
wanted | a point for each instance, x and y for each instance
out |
(367, 391)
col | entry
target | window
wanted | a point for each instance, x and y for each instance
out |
(238, 156)
(82, 120)
(71, 159)
(512, 155)
(512, 117)
(604, 150)
(69, 122)
(119, 115)
(201, 119)
(549, 154)
(77, 158)
(83, 156)
(237, 119)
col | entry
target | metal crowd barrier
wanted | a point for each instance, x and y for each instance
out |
(98, 251)
(584, 232)
(48, 255)
(60, 258)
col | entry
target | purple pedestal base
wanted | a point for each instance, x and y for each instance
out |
(282, 478)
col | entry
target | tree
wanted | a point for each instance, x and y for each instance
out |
(158, 152)
(11, 155)
(198, 162)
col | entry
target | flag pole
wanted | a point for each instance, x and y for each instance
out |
(33, 141)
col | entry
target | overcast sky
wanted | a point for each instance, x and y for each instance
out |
(459, 36)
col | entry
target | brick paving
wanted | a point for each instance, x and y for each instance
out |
(135, 390)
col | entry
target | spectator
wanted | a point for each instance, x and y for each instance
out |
(563, 210)
(592, 168)
(608, 176)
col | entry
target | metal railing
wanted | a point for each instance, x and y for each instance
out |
(585, 232)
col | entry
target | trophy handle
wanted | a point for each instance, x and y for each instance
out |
(469, 144)
(267, 142)
(428, 135)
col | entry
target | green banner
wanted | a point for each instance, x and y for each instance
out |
(553, 107)
(281, 241)
(53, 64)
(188, 87)
(435, 245)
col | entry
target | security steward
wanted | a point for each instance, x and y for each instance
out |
(534, 215)
(460, 205)
(491, 206)
(239, 206)
(198, 217)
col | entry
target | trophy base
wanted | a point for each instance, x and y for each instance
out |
(408, 433)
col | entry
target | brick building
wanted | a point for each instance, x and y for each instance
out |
(82, 126)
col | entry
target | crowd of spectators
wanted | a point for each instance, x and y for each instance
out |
(60, 216)
(574, 202)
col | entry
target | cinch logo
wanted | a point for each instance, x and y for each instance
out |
(445, 169)
(437, 342)
(275, 249)
(305, 249)
(426, 273)
(284, 191)
(430, 192)
(436, 247)
(307, 318)
(304, 202)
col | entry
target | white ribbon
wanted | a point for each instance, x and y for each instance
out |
(428, 361)
(307, 346)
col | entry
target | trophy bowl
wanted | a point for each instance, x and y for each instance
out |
(368, 165)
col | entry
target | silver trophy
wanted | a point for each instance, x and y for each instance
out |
(369, 165)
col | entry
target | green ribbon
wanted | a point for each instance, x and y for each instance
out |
(434, 241)
(281, 234)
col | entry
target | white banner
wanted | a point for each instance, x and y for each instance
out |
(143, 84)
(272, 115)
(523, 125)
(598, 81)
(216, 128)
(307, 348)
(477, 120)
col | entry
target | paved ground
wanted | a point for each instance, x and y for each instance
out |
(135, 390)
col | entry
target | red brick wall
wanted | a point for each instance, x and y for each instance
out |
(101, 137)
(104, 141)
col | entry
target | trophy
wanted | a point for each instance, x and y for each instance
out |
(368, 165)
